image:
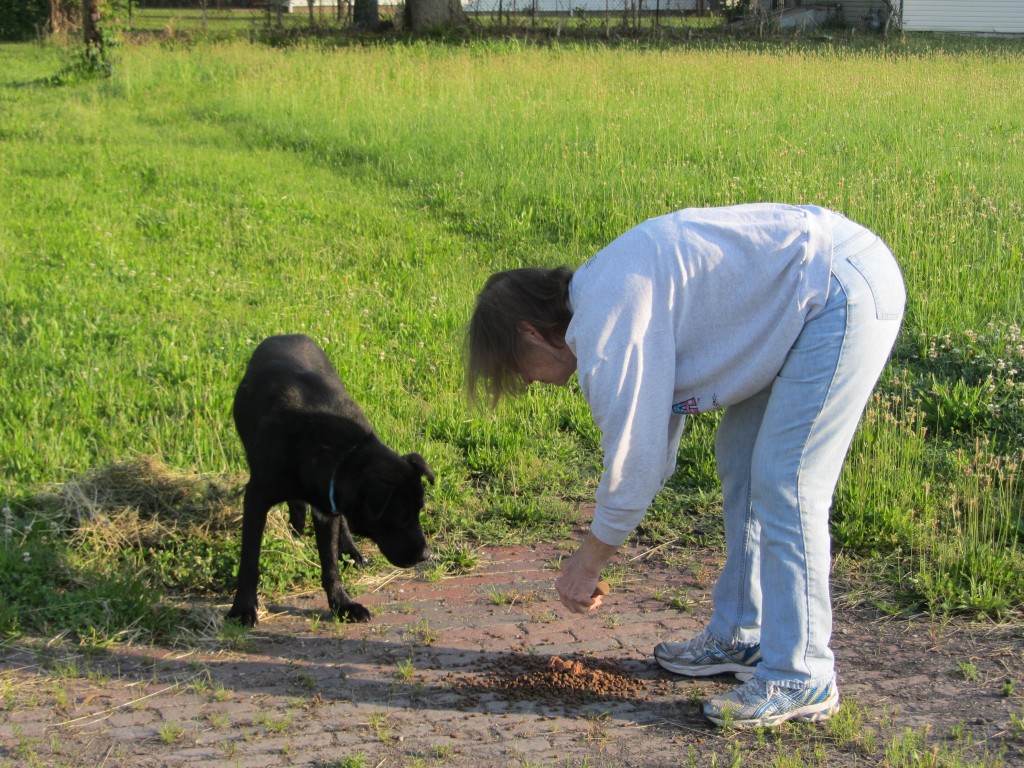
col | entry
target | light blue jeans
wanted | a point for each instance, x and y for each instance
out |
(779, 455)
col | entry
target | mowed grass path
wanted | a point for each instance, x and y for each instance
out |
(155, 226)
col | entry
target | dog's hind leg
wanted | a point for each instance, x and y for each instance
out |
(347, 545)
(297, 516)
(254, 519)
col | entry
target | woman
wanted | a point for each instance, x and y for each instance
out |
(781, 315)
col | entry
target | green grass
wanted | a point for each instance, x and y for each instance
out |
(158, 224)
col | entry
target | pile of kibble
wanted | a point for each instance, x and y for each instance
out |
(549, 681)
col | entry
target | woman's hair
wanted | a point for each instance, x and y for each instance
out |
(538, 296)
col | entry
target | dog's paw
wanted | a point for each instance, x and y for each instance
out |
(244, 615)
(353, 612)
(354, 558)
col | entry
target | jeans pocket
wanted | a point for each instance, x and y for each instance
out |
(879, 270)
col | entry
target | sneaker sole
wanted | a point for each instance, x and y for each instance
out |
(812, 713)
(706, 670)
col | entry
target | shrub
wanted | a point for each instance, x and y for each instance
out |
(23, 19)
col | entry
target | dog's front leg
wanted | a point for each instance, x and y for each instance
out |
(254, 520)
(328, 532)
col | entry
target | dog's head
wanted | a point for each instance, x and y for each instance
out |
(390, 498)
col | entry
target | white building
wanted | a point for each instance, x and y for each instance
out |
(570, 7)
(986, 16)
(302, 6)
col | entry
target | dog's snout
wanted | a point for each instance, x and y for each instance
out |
(409, 557)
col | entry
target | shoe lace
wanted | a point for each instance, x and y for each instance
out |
(699, 642)
(755, 691)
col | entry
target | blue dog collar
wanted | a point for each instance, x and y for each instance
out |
(330, 494)
(346, 457)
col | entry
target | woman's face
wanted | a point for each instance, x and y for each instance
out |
(542, 360)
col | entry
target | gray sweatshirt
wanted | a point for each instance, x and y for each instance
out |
(685, 313)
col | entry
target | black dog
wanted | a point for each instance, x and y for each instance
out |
(308, 443)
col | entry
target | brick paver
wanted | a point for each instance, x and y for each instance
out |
(411, 688)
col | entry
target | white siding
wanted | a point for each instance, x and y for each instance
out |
(1001, 16)
(297, 6)
(568, 7)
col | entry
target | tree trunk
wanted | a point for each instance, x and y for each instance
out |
(91, 23)
(431, 14)
(365, 14)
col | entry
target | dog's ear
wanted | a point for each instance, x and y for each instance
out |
(420, 465)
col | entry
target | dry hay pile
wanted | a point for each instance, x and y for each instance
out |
(550, 681)
(140, 503)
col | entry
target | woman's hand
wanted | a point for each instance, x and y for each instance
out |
(580, 574)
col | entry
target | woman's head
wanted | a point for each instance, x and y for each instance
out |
(519, 314)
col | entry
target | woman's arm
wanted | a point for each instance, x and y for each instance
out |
(580, 574)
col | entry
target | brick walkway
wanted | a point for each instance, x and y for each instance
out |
(417, 685)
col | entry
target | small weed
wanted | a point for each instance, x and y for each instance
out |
(435, 573)
(59, 694)
(499, 596)
(275, 725)
(728, 717)
(967, 671)
(235, 636)
(202, 684)
(597, 732)
(422, 633)
(66, 669)
(677, 599)
(218, 720)
(339, 625)
(378, 724)
(695, 698)
(960, 733)
(458, 559)
(1007, 688)
(305, 681)
(219, 692)
(846, 725)
(789, 760)
(405, 670)
(170, 732)
(1017, 724)
(683, 604)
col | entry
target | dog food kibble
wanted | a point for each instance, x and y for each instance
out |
(550, 681)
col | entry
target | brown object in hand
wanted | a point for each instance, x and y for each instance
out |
(601, 589)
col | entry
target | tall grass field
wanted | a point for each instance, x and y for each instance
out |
(156, 225)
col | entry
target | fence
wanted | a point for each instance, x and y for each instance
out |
(236, 16)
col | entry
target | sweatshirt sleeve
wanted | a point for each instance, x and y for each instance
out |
(630, 395)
